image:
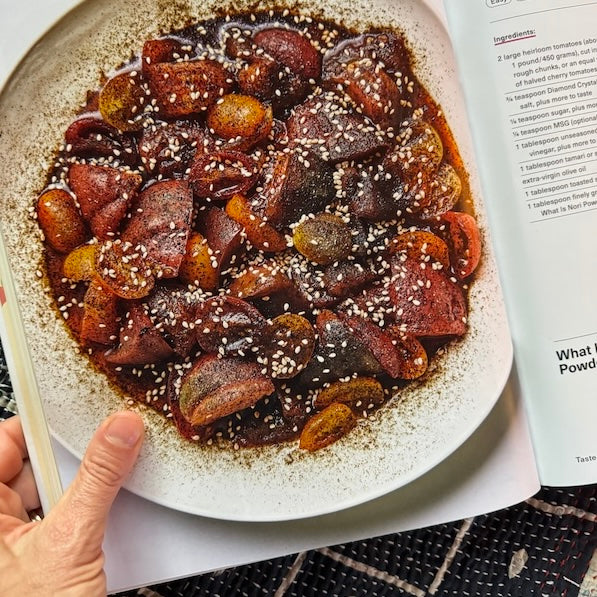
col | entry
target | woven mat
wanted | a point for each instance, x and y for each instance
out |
(545, 546)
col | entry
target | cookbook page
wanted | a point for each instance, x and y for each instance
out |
(494, 468)
(529, 70)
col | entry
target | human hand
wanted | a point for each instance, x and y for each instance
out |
(62, 554)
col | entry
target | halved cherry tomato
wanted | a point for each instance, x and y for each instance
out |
(261, 235)
(61, 220)
(327, 427)
(463, 238)
(420, 244)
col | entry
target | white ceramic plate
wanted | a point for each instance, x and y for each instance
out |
(420, 428)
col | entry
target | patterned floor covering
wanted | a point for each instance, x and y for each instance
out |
(545, 546)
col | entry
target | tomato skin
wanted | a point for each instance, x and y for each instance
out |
(327, 427)
(60, 220)
(462, 235)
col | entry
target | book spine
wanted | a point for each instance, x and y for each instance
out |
(27, 395)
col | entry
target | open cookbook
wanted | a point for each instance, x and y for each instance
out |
(339, 260)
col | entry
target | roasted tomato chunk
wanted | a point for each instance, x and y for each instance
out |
(327, 427)
(199, 266)
(426, 301)
(229, 326)
(122, 101)
(140, 341)
(214, 388)
(292, 49)
(289, 344)
(173, 311)
(323, 239)
(221, 174)
(462, 235)
(161, 222)
(242, 118)
(100, 322)
(362, 394)
(260, 234)
(90, 136)
(124, 268)
(60, 220)
(188, 87)
(104, 194)
(223, 234)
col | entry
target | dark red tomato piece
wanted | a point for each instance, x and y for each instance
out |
(259, 78)
(228, 326)
(140, 341)
(124, 269)
(385, 48)
(344, 278)
(426, 301)
(174, 311)
(161, 222)
(294, 184)
(166, 49)
(369, 196)
(222, 174)
(214, 388)
(374, 92)
(104, 194)
(413, 355)
(168, 148)
(377, 341)
(90, 136)
(343, 135)
(339, 352)
(223, 234)
(461, 233)
(269, 289)
(291, 49)
(189, 87)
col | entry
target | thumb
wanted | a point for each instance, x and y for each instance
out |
(109, 458)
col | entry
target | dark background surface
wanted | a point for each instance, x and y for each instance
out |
(545, 546)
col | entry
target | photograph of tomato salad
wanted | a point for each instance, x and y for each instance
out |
(261, 227)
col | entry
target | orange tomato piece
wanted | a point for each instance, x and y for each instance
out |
(79, 265)
(124, 269)
(197, 266)
(261, 235)
(60, 220)
(421, 244)
(242, 117)
(327, 427)
(121, 101)
(100, 321)
(361, 393)
(464, 241)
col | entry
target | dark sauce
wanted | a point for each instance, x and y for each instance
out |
(282, 415)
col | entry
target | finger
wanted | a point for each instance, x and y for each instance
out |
(11, 503)
(14, 430)
(24, 485)
(10, 528)
(12, 449)
(110, 456)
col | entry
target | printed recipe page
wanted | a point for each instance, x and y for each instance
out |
(529, 69)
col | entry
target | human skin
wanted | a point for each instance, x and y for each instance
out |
(61, 555)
